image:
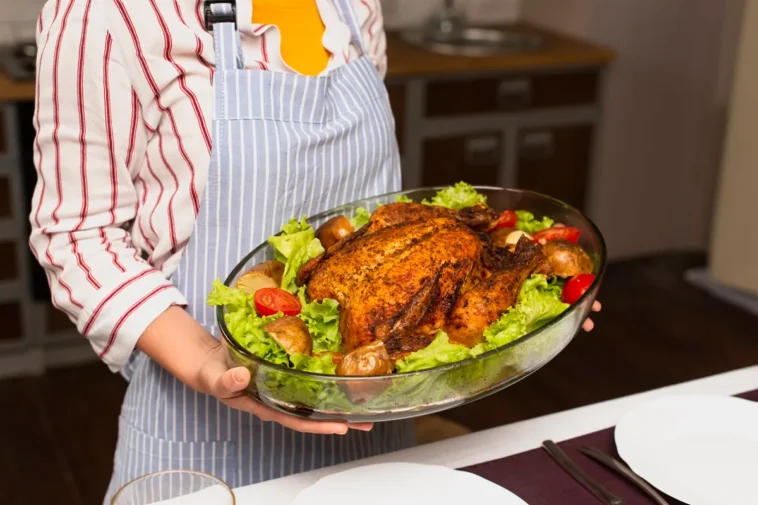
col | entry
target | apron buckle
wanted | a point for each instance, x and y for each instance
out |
(212, 18)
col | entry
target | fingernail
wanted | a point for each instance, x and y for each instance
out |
(238, 376)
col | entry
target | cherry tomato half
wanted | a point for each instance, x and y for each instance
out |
(569, 233)
(576, 287)
(507, 219)
(270, 301)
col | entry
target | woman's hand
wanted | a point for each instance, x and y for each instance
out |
(182, 346)
(228, 385)
(588, 324)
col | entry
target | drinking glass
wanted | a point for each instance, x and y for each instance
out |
(175, 487)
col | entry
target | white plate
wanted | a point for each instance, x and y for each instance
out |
(701, 450)
(404, 484)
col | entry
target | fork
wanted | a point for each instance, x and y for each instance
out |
(625, 471)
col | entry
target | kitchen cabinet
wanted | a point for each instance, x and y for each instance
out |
(555, 161)
(532, 131)
(477, 155)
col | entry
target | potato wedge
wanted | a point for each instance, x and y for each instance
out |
(263, 275)
(292, 334)
(334, 230)
(368, 360)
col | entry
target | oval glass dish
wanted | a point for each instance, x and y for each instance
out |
(407, 395)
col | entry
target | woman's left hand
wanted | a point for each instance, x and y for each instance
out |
(588, 324)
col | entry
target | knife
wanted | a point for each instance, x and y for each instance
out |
(625, 471)
(582, 478)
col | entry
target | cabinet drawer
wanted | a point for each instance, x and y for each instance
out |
(57, 321)
(397, 102)
(474, 158)
(555, 161)
(510, 93)
(11, 318)
(5, 198)
(9, 269)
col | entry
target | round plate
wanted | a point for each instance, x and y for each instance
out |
(701, 450)
(404, 484)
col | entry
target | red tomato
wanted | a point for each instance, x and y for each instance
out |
(564, 232)
(576, 287)
(270, 301)
(507, 219)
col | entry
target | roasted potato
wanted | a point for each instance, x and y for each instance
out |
(567, 259)
(368, 360)
(263, 275)
(292, 334)
(334, 230)
(500, 236)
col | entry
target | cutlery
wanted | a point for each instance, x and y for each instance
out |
(625, 471)
(578, 474)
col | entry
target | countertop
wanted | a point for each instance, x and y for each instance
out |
(406, 60)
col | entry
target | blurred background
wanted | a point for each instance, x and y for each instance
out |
(638, 112)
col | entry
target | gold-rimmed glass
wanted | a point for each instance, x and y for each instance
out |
(175, 487)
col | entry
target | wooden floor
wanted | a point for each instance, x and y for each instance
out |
(58, 432)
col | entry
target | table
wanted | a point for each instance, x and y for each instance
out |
(505, 440)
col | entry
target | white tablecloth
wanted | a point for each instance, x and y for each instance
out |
(506, 440)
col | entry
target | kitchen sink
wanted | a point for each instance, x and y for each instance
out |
(474, 41)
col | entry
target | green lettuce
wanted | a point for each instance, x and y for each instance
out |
(245, 325)
(527, 222)
(322, 364)
(459, 196)
(440, 352)
(361, 217)
(294, 247)
(403, 199)
(539, 303)
(323, 322)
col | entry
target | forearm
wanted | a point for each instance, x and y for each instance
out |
(180, 345)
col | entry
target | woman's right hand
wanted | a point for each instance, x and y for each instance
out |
(182, 346)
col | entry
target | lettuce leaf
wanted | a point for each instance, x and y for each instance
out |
(294, 247)
(403, 199)
(323, 322)
(245, 325)
(458, 196)
(539, 303)
(440, 352)
(321, 364)
(527, 222)
(361, 217)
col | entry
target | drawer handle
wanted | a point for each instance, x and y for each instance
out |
(537, 146)
(482, 150)
(514, 93)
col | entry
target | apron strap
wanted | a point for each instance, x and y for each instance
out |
(347, 12)
(221, 19)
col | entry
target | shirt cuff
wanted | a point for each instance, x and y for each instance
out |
(119, 313)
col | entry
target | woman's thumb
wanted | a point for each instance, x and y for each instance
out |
(224, 382)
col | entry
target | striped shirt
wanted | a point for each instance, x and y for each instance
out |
(124, 104)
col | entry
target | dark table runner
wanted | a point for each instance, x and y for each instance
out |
(538, 480)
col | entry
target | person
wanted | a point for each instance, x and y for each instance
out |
(173, 136)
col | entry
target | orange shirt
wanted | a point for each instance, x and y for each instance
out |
(301, 30)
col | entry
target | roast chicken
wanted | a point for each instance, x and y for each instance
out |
(414, 269)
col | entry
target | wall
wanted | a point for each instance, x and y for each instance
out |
(664, 117)
(734, 248)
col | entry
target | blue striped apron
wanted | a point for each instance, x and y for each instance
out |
(284, 145)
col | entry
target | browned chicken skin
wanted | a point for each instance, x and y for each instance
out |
(415, 269)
